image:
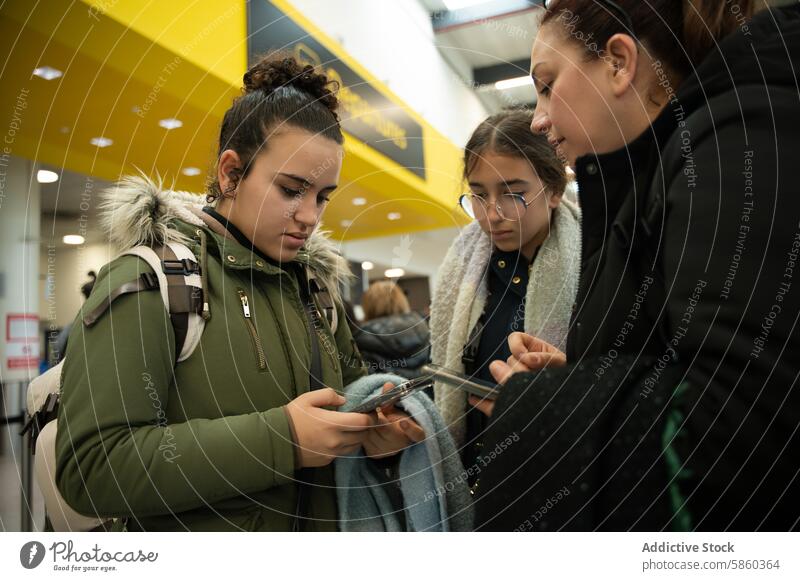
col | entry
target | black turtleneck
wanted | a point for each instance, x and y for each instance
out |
(238, 235)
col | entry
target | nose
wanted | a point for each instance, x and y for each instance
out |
(307, 212)
(541, 121)
(492, 215)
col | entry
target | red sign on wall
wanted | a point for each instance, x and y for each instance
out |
(22, 340)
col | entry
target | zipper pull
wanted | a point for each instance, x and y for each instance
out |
(245, 304)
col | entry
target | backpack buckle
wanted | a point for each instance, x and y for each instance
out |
(41, 417)
(182, 266)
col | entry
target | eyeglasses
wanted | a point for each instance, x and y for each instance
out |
(509, 207)
(626, 19)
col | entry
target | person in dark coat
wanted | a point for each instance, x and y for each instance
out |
(60, 347)
(392, 338)
(677, 405)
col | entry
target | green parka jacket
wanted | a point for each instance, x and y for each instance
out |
(205, 444)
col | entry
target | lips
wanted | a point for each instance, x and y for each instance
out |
(502, 235)
(556, 142)
(295, 239)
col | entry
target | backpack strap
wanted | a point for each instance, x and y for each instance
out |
(184, 291)
(323, 298)
(177, 276)
(147, 281)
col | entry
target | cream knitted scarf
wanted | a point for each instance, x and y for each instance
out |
(462, 291)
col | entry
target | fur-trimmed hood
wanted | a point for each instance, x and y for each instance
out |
(137, 211)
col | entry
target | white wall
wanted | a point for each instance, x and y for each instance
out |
(19, 237)
(394, 40)
(62, 272)
(419, 253)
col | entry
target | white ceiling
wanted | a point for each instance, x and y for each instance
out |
(503, 39)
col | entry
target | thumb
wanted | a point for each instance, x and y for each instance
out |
(412, 430)
(323, 397)
(500, 370)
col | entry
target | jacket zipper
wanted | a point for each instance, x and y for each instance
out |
(262, 360)
(284, 344)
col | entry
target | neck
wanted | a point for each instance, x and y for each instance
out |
(234, 231)
(224, 208)
(529, 250)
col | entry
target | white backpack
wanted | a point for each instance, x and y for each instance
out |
(176, 270)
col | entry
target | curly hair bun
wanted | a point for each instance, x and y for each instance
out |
(276, 70)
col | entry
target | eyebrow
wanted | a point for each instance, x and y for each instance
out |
(533, 71)
(306, 183)
(501, 183)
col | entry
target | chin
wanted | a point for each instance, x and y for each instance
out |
(289, 254)
(507, 245)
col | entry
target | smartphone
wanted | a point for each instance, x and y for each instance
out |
(472, 386)
(392, 396)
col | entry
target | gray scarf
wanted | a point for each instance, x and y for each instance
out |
(462, 291)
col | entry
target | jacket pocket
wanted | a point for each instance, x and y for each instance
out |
(251, 328)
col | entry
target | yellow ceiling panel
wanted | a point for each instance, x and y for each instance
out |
(126, 65)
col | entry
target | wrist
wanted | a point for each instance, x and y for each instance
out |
(298, 459)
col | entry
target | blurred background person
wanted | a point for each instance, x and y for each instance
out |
(392, 338)
(60, 346)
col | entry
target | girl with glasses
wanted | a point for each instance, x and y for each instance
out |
(514, 268)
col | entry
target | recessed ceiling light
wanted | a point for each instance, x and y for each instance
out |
(346, 223)
(47, 73)
(359, 201)
(73, 239)
(394, 215)
(394, 273)
(171, 123)
(101, 141)
(513, 83)
(367, 265)
(45, 176)
(64, 130)
(191, 171)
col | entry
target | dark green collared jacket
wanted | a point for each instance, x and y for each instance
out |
(205, 444)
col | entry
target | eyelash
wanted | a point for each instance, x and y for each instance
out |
(544, 90)
(483, 196)
(291, 193)
(294, 193)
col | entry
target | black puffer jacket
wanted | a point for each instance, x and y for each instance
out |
(398, 344)
(680, 407)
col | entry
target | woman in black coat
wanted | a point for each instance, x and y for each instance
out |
(678, 406)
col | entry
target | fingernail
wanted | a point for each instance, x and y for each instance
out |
(404, 424)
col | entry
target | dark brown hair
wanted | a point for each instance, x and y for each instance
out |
(277, 90)
(509, 133)
(679, 33)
